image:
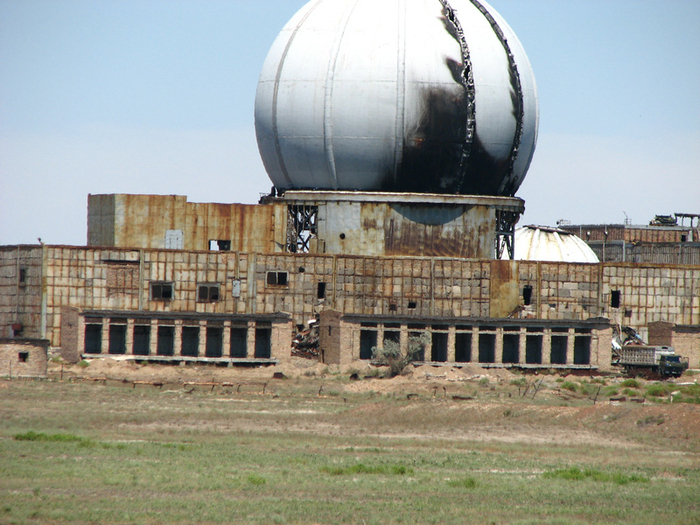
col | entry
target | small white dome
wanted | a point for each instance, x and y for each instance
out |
(542, 243)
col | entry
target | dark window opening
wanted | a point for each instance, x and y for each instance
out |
(161, 291)
(415, 338)
(93, 338)
(321, 290)
(17, 329)
(277, 278)
(190, 341)
(582, 350)
(23, 357)
(22, 276)
(511, 348)
(215, 342)
(392, 307)
(487, 348)
(166, 341)
(412, 305)
(239, 342)
(527, 295)
(463, 347)
(263, 343)
(208, 293)
(533, 350)
(117, 339)
(684, 238)
(142, 340)
(392, 335)
(368, 340)
(301, 227)
(439, 350)
(220, 246)
(558, 349)
(342, 236)
(615, 299)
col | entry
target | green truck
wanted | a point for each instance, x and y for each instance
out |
(651, 360)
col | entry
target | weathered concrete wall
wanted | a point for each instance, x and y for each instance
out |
(114, 279)
(686, 341)
(657, 253)
(348, 223)
(170, 222)
(23, 357)
(70, 333)
(334, 349)
(21, 291)
(684, 338)
(596, 335)
(631, 233)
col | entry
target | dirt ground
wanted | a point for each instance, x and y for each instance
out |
(500, 405)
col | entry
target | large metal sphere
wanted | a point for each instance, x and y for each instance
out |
(397, 95)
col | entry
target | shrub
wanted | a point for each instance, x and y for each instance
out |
(361, 468)
(630, 383)
(659, 390)
(651, 420)
(464, 483)
(256, 480)
(40, 436)
(576, 474)
(397, 361)
(84, 363)
(610, 391)
(61, 438)
(568, 385)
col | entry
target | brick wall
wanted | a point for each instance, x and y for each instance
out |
(23, 358)
(122, 280)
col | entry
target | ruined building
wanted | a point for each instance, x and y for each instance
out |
(395, 150)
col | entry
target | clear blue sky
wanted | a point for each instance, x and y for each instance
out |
(156, 96)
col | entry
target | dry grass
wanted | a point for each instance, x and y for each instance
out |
(93, 453)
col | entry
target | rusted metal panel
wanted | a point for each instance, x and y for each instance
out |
(414, 229)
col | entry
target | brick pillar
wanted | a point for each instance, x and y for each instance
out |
(153, 342)
(129, 337)
(202, 338)
(498, 351)
(547, 347)
(250, 346)
(570, 347)
(104, 349)
(451, 337)
(177, 343)
(226, 350)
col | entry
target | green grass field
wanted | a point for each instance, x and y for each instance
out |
(88, 453)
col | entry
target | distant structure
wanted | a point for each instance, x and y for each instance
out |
(667, 239)
(542, 243)
(396, 135)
